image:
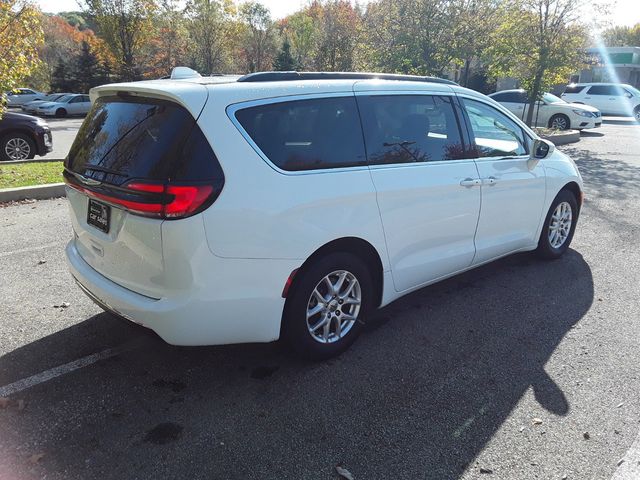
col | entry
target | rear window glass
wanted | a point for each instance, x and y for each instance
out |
(123, 139)
(307, 134)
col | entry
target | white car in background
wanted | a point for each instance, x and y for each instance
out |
(20, 96)
(222, 210)
(75, 104)
(31, 107)
(550, 111)
(609, 98)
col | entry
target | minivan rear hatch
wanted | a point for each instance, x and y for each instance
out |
(139, 159)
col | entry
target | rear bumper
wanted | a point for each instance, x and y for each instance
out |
(241, 303)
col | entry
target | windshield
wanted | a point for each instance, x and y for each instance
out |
(633, 90)
(550, 98)
(64, 99)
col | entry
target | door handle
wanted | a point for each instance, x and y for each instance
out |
(470, 182)
(489, 180)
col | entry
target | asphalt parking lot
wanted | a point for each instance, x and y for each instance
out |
(521, 369)
(63, 131)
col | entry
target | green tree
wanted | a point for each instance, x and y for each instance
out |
(540, 43)
(86, 69)
(211, 34)
(284, 60)
(302, 32)
(622, 36)
(339, 33)
(126, 26)
(20, 37)
(410, 36)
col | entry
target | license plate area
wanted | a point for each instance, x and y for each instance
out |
(99, 215)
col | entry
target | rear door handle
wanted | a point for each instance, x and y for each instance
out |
(470, 182)
(489, 180)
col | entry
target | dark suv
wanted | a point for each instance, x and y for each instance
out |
(23, 137)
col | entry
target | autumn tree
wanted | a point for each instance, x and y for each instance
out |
(258, 36)
(538, 42)
(339, 28)
(169, 44)
(20, 36)
(125, 26)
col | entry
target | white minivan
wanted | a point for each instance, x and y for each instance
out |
(219, 210)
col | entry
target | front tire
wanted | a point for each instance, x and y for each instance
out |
(560, 122)
(61, 113)
(17, 146)
(327, 302)
(559, 226)
(636, 113)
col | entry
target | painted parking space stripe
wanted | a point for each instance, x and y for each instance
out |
(52, 373)
(629, 465)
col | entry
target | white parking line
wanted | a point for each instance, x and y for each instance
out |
(629, 465)
(59, 370)
(29, 249)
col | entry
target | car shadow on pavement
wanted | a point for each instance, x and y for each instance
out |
(429, 383)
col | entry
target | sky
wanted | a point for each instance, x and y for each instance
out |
(623, 12)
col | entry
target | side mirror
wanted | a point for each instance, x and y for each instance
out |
(541, 149)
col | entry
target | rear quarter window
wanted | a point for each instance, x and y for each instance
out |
(319, 133)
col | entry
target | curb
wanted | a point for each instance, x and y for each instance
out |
(33, 160)
(570, 136)
(36, 192)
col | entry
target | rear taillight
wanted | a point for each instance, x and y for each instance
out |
(154, 199)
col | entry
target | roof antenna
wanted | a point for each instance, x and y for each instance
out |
(179, 73)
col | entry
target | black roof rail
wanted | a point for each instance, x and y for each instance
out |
(293, 75)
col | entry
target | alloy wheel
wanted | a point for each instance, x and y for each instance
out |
(17, 149)
(559, 123)
(333, 306)
(560, 224)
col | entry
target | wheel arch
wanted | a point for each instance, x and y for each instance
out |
(574, 188)
(355, 246)
(23, 131)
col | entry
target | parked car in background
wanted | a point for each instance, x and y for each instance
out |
(22, 137)
(609, 98)
(32, 107)
(222, 210)
(550, 111)
(74, 104)
(21, 96)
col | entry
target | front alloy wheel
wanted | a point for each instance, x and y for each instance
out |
(636, 114)
(559, 122)
(17, 147)
(559, 226)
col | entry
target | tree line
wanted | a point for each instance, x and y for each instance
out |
(538, 42)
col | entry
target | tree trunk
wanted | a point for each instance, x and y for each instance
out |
(533, 94)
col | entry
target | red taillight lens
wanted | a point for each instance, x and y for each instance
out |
(154, 199)
(186, 199)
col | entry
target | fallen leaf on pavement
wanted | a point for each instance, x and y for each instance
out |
(537, 421)
(586, 435)
(42, 262)
(486, 470)
(36, 457)
(4, 402)
(344, 473)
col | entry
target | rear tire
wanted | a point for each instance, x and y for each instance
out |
(560, 121)
(559, 226)
(320, 322)
(17, 146)
(61, 113)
